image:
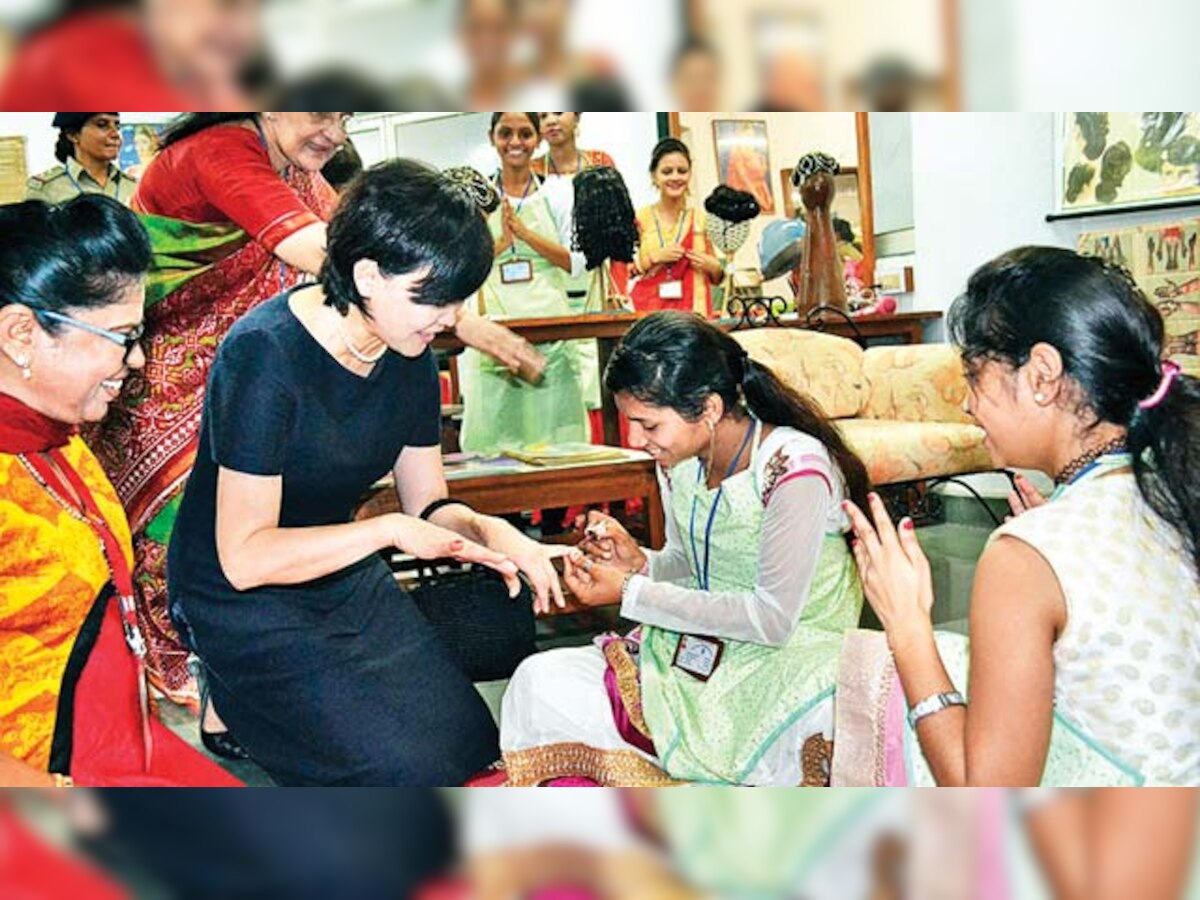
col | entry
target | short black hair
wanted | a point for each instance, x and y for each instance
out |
(73, 255)
(343, 167)
(406, 216)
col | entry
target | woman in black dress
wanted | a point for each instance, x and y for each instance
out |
(320, 665)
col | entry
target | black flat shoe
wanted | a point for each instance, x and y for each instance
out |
(218, 743)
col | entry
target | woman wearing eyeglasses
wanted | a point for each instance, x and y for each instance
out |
(71, 678)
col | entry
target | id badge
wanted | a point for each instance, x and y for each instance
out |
(698, 656)
(670, 290)
(516, 271)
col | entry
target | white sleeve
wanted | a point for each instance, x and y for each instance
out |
(794, 526)
(669, 564)
(561, 197)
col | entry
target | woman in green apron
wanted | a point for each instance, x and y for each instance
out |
(532, 232)
(742, 613)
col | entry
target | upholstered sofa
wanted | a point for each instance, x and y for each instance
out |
(899, 407)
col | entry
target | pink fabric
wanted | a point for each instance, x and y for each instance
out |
(573, 782)
(804, 473)
(625, 726)
(895, 772)
(992, 874)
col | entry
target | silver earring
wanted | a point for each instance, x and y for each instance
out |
(23, 364)
(1039, 397)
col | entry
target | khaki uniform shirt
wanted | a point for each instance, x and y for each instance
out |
(63, 182)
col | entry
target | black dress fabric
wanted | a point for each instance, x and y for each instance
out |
(339, 681)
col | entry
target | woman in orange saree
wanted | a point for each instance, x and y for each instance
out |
(73, 697)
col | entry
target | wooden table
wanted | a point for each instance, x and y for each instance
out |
(515, 487)
(608, 328)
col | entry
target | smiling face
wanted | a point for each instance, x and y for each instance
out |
(515, 137)
(99, 138)
(559, 128)
(305, 139)
(77, 374)
(672, 175)
(662, 432)
(405, 326)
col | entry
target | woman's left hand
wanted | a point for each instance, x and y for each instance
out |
(894, 571)
(513, 223)
(710, 265)
(534, 561)
(592, 582)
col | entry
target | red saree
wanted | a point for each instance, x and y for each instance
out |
(215, 210)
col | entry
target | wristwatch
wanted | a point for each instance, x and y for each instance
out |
(934, 704)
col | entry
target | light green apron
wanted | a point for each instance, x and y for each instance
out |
(718, 730)
(500, 410)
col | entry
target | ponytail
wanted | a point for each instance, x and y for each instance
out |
(1164, 441)
(678, 360)
(770, 400)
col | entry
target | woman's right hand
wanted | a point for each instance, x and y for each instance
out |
(426, 541)
(1025, 497)
(604, 538)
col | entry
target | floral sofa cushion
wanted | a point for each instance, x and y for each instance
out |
(915, 383)
(822, 366)
(910, 451)
(899, 407)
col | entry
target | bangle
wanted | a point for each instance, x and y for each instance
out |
(934, 704)
(439, 504)
(63, 781)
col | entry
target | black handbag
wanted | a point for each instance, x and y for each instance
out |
(488, 632)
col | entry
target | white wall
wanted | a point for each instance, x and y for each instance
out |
(982, 184)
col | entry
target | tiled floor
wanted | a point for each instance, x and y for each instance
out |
(953, 549)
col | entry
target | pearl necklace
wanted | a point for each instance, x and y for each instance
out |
(358, 354)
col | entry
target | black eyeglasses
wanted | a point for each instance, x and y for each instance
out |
(127, 339)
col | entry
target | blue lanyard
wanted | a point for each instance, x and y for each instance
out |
(79, 187)
(1108, 463)
(678, 233)
(512, 248)
(702, 574)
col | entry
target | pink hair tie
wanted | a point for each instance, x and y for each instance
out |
(1170, 371)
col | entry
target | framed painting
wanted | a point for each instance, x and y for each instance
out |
(1121, 161)
(744, 159)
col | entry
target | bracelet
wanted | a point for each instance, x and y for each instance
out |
(63, 781)
(935, 704)
(439, 504)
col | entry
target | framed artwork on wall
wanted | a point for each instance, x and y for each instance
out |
(1109, 162)
(744, 159)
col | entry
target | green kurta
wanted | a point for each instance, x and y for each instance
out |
(500, 410)
(719, 730)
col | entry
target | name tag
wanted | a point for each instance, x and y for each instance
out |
(698, 656)
(670, 290)
(516, 272)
